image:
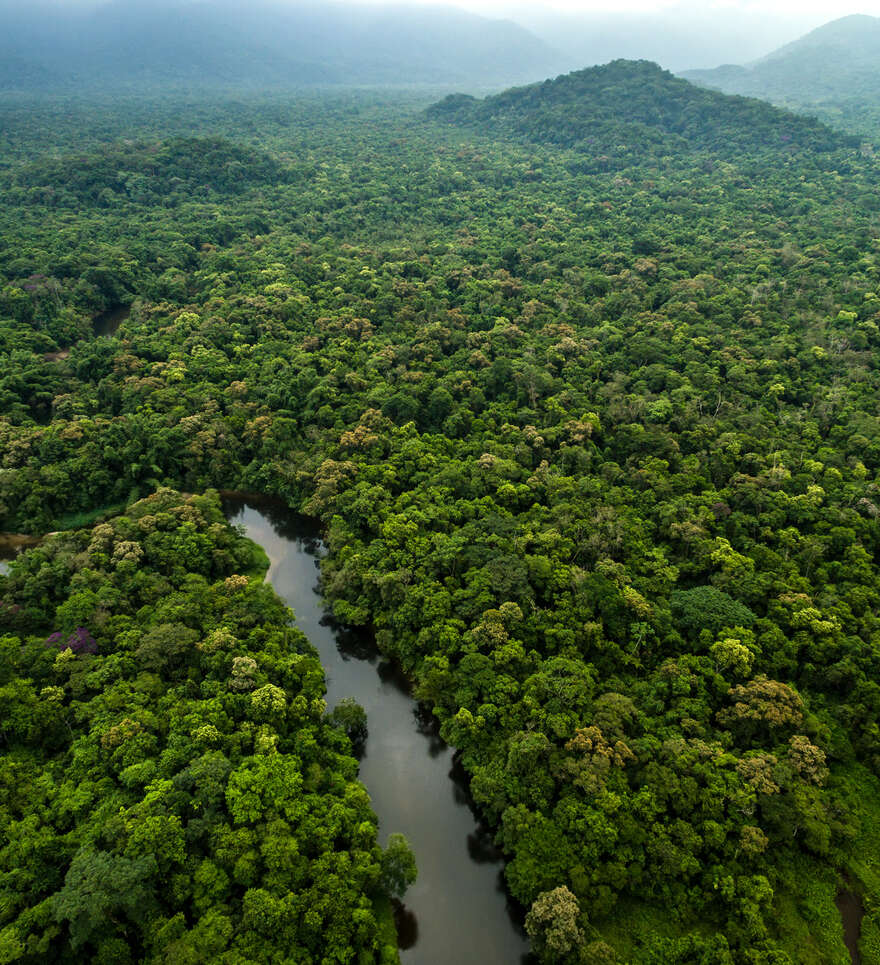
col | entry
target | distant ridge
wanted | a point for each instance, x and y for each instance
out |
(136, 44)
(630, 108)
(833, 71)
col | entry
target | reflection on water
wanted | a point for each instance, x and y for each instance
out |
(457, 911)
(103, 325)
(407, 926)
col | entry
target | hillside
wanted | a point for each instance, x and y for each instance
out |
(831, 72)
(220, 44)
(180, 169)
(627, 109)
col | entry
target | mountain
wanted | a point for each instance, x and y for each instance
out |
(627, 109)
(831, 71)
(222, 43)
(679, 36)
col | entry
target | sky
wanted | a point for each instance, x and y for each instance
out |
(821, 10)
(678, 34)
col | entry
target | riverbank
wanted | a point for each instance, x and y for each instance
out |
(458, 909)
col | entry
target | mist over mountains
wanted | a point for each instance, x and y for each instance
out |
(825, 63)
(681, 37)
(831, 72)
(136, 44)
(225, 45)
(222, 43)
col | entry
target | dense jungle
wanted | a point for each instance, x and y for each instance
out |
(581, 381)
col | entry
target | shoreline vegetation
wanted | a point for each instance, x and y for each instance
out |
(243, 781)
(393, 919)
(457, 910)
(581, 382)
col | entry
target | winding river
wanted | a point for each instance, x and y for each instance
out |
(457, 912)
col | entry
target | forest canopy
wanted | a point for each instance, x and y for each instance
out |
(592, 430)
(172, 787)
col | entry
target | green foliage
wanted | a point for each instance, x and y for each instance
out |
(552, 925)
(705, 608)
(599, 468)
(350, 717)
(152, 807)
(138, 173)
(101, 888)
(655, 112)
(398, 866)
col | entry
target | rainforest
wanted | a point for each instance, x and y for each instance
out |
(579, 383)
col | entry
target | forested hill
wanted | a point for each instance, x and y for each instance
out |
(132, 44)
(630, 108)
(171, 172)
(831, 72)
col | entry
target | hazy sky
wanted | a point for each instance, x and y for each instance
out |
(821, 9)
(818, 10)
(813, 12)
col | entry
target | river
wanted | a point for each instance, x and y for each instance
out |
(457, 911)
(852, 911)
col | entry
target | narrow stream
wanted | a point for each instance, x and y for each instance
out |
(852, 911)
(457, 912)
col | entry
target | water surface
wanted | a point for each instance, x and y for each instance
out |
(852, 911)
(457, 913)
(11, 544)
(103, 325)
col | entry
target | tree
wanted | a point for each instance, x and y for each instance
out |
(352, 718)
(553, 925)
(99, 888)
(706, 607)
(398, 866)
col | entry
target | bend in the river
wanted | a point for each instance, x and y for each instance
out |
(458, 910)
